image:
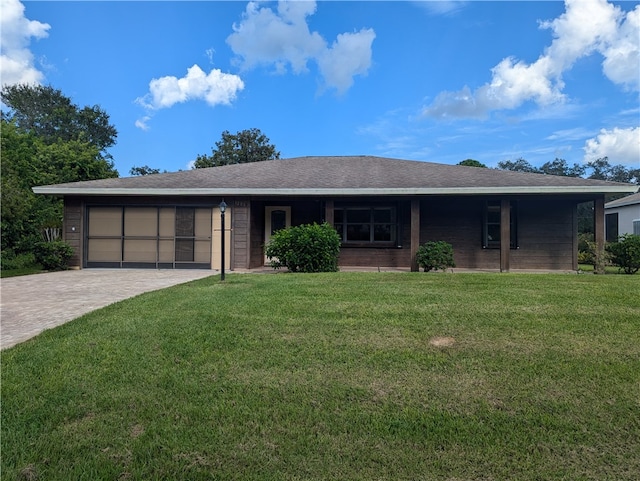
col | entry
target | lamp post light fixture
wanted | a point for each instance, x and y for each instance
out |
(223, 208)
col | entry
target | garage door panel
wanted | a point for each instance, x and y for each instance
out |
(140, 250)
(202, 251)
(105, 221)
(140, 221)
(104, 250)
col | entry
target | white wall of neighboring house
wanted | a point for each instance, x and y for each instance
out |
(628, 215)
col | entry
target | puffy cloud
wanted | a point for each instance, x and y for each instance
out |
(16, 31)
(215, 88)
(622, 54)
(349, 55)
(266, 37)
(587, 26)
(620, 145)
(283, 39)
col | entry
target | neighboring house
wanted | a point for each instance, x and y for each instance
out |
(382, 208)
(622, 216)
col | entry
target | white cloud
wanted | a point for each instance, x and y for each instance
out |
(283, 39)
(16, 31)
(349, 55)
(586, 27)
(622, 146)
(142, 123)
(214, 88)
(622, 54)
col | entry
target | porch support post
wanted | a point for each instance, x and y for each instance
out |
(415, 233)
(574, 265)
(599, 233)
(505, 235)
(328, 212)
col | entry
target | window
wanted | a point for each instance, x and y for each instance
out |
(367, 225)
(491, 225)
(611, 227)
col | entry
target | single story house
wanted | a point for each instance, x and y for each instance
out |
(382, 208)
(622, 216)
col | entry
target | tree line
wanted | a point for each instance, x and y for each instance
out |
(599, 169)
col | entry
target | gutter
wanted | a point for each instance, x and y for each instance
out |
(612, 189)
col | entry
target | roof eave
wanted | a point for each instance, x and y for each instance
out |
(596, 189)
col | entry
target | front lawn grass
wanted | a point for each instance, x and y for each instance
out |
(25, 271)
(358, 376)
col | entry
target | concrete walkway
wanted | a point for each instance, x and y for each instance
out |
(31, 304)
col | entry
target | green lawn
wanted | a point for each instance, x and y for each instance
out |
(356, 376)
(26, 271)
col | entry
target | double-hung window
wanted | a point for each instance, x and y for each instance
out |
(367, 225)
(491, 225)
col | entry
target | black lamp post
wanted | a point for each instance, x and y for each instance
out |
(223, 208)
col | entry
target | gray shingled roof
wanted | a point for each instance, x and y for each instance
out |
(628, 200)
(347, 175)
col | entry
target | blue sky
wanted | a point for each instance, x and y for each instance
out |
(439, 81)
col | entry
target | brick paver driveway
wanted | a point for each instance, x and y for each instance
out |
(31, 304)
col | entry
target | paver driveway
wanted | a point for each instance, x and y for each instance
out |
(31, 304)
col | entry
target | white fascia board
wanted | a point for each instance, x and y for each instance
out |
(53, 190)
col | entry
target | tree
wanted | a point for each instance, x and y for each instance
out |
(518, 165)
(561, 167)
(240, 148)
(52, 117)
(472, 163)
(601, 169)
(144, 170)
(46, 139)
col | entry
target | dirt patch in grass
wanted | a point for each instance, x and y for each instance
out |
(137, 430)
(28, 473)
(442, 341)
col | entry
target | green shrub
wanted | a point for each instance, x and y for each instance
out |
(626, 253)
(305, 248)
(586, 249)
(12, 261)
(435, 255)
(54, 256)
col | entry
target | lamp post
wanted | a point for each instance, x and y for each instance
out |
(223, 208)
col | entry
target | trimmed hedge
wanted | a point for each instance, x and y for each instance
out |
(435, 255)
(305, 248)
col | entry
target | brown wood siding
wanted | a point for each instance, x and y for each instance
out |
(72, 228)
(458, 221)
(546, 235)
(545, 230)
(256, 245)
(241, 234)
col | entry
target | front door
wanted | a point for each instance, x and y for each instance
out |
(275, 218)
